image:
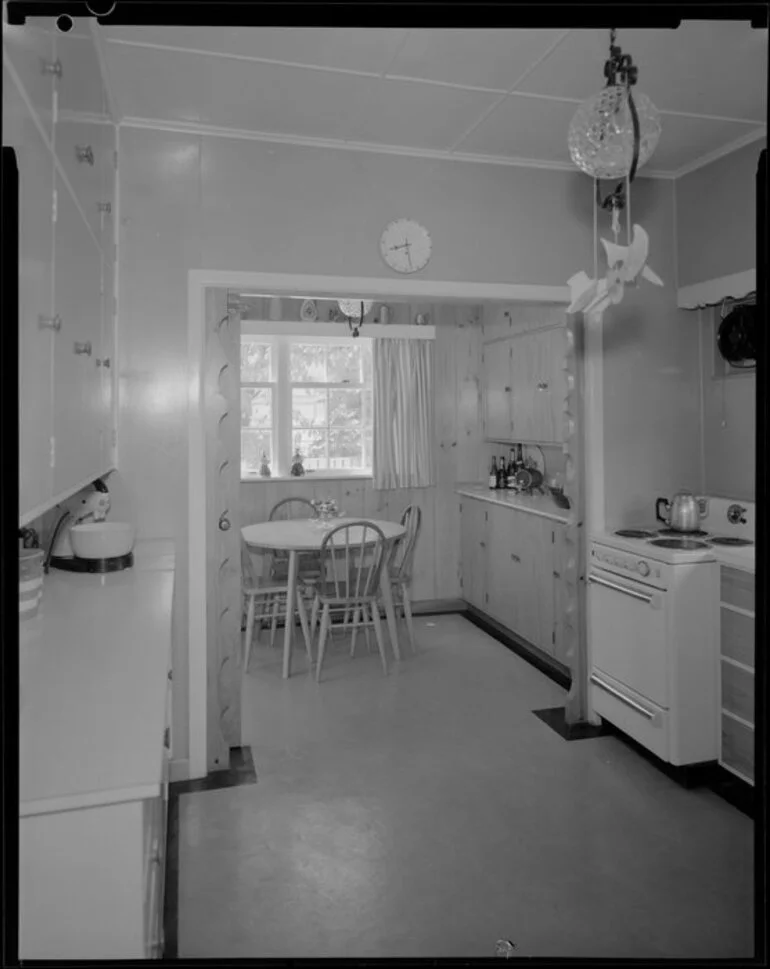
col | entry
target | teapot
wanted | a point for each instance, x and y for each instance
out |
(685, 511)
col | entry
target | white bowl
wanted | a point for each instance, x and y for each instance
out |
(102, 540)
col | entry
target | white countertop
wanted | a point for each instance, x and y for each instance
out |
(93, 675)
(736, 558)
(542, 505)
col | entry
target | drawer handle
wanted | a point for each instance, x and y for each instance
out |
(82, 348)
(622, 697)
(103, 363)
(619, 588)
(49, 322)
(84, 153)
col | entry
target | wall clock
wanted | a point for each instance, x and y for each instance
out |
(405, 246)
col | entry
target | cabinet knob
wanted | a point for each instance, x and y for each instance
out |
(542, 385)
(507, 390)
(49, 322)
(84, 153)
(483, 544)
(84, 348)
(515, 557)
(103, 363)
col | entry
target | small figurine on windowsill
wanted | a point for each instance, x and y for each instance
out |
(264, 468)
(297, 469)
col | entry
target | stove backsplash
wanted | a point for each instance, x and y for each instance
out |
(716, 520)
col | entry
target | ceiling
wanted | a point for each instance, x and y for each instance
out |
(500, 96)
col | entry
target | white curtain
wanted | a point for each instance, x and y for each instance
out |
(403, 414)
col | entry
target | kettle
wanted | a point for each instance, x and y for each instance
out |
(685, 511)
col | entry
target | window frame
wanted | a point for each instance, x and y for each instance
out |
(281, 388)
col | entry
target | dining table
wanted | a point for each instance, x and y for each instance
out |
(298, 535)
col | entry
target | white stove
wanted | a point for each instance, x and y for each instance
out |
(652, 634)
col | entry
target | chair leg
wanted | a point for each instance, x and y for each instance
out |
(408, 614)
(305, 628)
(274, 624)
(314, 616)
(356, 613)
(367, 621)
(249, 632)
(379, 637)
(325, 623)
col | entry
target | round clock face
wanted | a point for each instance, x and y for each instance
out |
(405, 246)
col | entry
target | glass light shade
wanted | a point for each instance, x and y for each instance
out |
(352, 307)
(601, 134)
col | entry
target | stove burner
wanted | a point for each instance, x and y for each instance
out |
(730, 541)
(684, 544)
(695, 533)
(635, 533)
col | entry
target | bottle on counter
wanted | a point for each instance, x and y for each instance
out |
(501, 473)
(493, 474)
(519, 458)
(510, 474)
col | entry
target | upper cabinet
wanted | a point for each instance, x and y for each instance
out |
(525, 387)
(55, 117)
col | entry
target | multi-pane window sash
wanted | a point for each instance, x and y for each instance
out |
(279, 398)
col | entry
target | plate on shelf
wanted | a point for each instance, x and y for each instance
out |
(308, 311)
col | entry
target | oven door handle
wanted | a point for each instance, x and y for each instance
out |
(622, 697)
(620, 588)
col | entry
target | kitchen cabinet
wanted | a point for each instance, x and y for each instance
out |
(36, 298)
(524, 386)
(736, 673)
(514, 553)
(474, 557)
(67, 257)
(93, 802)
(78, 400)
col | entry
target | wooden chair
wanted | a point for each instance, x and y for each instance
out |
(309, 564)
(401, 564)
(271, 595)
(349, 584)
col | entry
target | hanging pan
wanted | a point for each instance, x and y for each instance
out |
(736, 335)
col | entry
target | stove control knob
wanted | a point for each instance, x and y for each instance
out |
(643, 568)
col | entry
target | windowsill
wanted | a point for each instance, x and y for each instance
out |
(313, 476)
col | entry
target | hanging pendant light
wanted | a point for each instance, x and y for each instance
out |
(355, 309)
(614, 133)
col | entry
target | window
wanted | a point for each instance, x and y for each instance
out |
(310, 393)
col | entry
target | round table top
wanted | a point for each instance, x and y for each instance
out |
(302, 535)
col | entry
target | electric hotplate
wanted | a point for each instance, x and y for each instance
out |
(75, 564)
(729, 540)
(634, 533)
(695, 533)
(684, 544)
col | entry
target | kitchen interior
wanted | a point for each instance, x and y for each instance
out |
(570, 697)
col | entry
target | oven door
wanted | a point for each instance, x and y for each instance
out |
(628, 636)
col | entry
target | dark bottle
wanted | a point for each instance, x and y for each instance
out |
(501, 473)
(493, 474)
(519, 458)
(510, 473)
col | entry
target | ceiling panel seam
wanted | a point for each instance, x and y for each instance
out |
(485, 114)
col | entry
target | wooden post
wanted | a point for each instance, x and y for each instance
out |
(221, 381)
(576, 705)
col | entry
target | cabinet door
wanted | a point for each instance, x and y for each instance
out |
(549, 385)
(108, 368)
(473, 543)
(77, 380)
(497, 391)
(559, 595)
(26, 50)
(531, 598)
(36, 182)
(84, 150)
(501, 580)
(523, 369)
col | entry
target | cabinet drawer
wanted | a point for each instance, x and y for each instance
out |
(737, 588)
(738, 691)
(738, 747)
(737, 636)
(635, 715)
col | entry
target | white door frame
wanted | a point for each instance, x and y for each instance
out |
(297, 284)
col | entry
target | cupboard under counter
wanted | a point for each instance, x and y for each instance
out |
(95, 747)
